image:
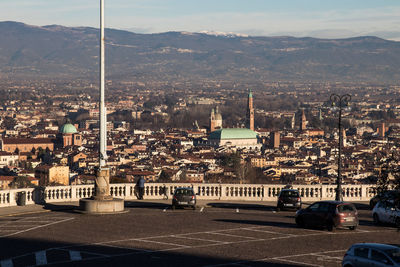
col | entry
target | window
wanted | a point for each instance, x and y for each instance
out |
(394, 254)
(379, 257)
(289, 194)
(346, 208)
(314, 207)
(361, 252)
(324, 207)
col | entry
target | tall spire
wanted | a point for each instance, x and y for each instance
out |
(250, 112)
(303, 122)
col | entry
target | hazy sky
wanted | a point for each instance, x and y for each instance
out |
(318, 18)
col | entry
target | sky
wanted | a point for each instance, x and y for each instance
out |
(315, 18)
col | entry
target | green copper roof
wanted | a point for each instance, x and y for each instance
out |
(233, 133)
(68, 128)
(250, 93)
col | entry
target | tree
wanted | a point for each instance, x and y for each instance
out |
(164, 177)
(21, 182)
(389, 172)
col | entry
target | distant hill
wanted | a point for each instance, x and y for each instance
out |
(57, 51)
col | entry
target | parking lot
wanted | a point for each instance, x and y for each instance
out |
(151, 234)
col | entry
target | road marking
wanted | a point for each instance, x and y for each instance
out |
(296, 262)
(177, 247)
(6, 263)
(75, 255)
(33, 228)
(161, 243)
(202, 208)
(41, 258)
(240, 236)
(269, 232)
(200, 239)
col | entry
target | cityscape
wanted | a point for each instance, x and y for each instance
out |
(285, 149)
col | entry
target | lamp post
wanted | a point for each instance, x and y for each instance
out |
(340, 101)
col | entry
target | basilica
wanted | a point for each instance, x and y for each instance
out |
(235, 137)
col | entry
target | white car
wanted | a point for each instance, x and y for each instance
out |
(371, 254)
(386, 211)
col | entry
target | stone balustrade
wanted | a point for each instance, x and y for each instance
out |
(242, 192)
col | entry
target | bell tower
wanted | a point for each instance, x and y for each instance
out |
(212, 121)
(250, 112)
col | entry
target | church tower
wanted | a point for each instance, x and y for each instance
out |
(215, 120)
(250, 112)
(212, 121)
(303, 122)
(218, 118)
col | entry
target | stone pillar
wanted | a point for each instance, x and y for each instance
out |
(323, 193)
(102, 186)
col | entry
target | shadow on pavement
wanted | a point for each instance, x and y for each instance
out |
(32, 252)
(242, 206)
(362, 206)
(260, 223)
(146, 205)
(67, 208)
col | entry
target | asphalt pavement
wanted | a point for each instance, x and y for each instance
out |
(217, 233)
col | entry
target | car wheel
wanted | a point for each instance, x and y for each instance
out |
(352, 228)
(397, 222)
(300, 222)
(376, 219)
(371, 205)
(330, 226)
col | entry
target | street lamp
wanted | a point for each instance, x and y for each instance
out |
(340, 101)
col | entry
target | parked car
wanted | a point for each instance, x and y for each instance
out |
(386, 195)
(184, 197)
(371, 254)
(386, 211)
(288, 199)
(328, 214)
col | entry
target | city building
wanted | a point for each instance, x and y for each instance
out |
(49, 175)
(69, 136)
(26, 144)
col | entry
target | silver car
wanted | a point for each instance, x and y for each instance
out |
(385, 211)
(371, 254)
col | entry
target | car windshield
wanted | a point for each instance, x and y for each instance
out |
(185, 192)
(394, 254)
(346, 208)
(289, 194)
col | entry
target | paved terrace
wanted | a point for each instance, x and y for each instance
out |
(220, 232)
(217, 233)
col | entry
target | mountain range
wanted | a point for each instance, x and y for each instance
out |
(72, 52)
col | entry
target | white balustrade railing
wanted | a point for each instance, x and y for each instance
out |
(242, 192)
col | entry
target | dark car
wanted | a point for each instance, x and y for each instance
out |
(386, 195)
(371, 254)
(184, 197)
(288, 199)
(328, 214)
